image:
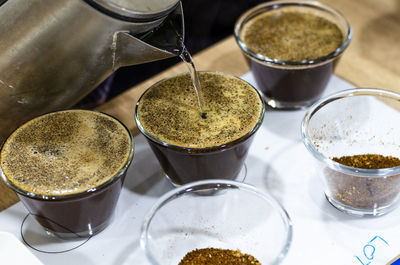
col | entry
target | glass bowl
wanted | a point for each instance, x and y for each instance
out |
(221, 214)
(356, 122)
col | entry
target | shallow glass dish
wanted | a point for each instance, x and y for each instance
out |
(356, 122)
(219, 214)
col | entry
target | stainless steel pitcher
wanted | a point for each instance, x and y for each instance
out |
(54, 52)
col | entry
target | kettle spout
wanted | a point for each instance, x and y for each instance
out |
(128, 50)
(163, 41)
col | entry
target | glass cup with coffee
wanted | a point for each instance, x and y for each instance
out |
(68, 169)
(292, 47)
(195, 145)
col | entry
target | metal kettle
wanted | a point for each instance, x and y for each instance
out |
(54, 52)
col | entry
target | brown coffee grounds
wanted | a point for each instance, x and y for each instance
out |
(368, 161)
(218, 256)
(365, 192)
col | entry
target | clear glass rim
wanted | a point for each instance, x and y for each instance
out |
(216, 184)
(93, 190)
(205, 149)
(353, 92)
(290, 64)
(124, 13)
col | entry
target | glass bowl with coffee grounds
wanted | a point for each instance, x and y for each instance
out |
(292, 47)
(216, 222)
(354, 134)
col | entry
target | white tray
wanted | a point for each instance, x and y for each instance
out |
(277, 162)
(13, 252)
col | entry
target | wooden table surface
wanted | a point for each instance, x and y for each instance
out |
(371, 60)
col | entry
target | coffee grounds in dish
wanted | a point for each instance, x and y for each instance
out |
(368, 161)
(218, 256)
(363, 191)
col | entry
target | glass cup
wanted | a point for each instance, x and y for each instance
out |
(292, 84)
(356, 122)
(233, 216)
(81, 214)
(184, 164)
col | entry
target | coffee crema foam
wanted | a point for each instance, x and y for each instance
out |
(169, 110)
(291, 35)
(65, 152)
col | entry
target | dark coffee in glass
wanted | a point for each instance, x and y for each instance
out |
(291, 47)
(68, 168)
(192, 145)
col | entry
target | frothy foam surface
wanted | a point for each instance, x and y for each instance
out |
(291, 35)
(169, 110)
(65, 152)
